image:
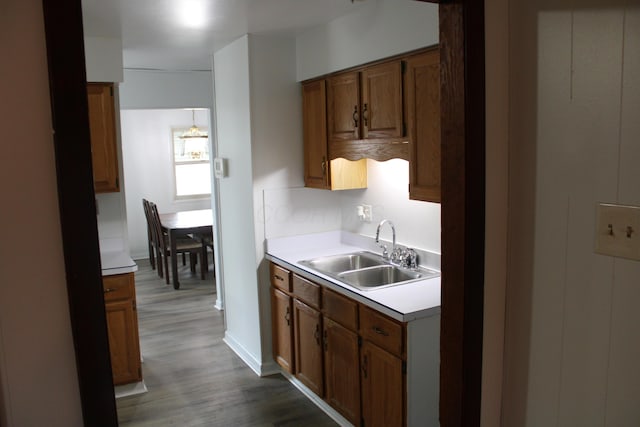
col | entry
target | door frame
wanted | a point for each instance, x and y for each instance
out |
(462, 209)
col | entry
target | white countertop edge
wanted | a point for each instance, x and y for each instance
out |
(117, 262)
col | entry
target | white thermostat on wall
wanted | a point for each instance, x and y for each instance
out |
(220, 167)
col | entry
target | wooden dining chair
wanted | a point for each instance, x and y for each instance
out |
(163, 247)
(150, 233)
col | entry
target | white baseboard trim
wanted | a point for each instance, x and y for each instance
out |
(243, 354)
(324, 406)
(130, 389)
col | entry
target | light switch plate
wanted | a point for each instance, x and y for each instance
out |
(618, 231)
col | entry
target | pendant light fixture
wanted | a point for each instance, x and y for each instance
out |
(195, 144)
(193, 131)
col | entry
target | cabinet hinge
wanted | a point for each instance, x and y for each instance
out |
(404, 367)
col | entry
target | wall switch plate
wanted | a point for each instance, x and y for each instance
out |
(219, 167)
(618, 231)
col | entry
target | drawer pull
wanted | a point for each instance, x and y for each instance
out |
(106, 291)
(380, 331)
(278, 277)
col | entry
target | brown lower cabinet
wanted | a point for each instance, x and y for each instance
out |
(122, 326)
(346, 353)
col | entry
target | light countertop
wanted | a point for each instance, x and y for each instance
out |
(402, 302)
(117, 262)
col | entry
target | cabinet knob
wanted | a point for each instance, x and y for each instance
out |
(324, 166)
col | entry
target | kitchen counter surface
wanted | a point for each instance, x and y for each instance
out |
(402, 302)
(117, 262)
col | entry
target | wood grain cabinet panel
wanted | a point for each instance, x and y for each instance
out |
(341, 374)
(422, 89)
(102, 127)
(383, 387)
(122, 327)
(382, 114)
(343, 104)
(282, 329)
(308, 347)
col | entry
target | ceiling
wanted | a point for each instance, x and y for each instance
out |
(182, 34)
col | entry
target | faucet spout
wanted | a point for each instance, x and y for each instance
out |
(385, 253)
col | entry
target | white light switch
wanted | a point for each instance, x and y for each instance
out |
(618, 231)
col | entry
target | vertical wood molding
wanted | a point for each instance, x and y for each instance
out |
(463, 210)
(67, 85)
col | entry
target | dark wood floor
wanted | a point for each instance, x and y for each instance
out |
(193, 378)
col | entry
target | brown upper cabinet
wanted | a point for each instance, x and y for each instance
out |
(319, 170)
(422, 89)
(389, 109)
(103, 137)
(365, 113)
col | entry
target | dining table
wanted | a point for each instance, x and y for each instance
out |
(181, 224)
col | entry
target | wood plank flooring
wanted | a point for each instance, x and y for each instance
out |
(193, 378)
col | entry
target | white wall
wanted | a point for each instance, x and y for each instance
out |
(572, 342)
(417, 223)
(103, 58)
(377, 30)
(38, 380)
(148, 89)
(148, 167)
(237, 239)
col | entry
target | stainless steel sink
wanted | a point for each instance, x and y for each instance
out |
(344, 262)
(366, 270)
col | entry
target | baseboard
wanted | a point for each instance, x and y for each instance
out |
(130, 389)
(318, 401)
(243, 354)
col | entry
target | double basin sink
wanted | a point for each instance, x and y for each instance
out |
(367, 270)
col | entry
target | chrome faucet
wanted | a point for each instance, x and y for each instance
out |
(385, 252)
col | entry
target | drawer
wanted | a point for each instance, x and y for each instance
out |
(340, 308)
(306, 291)
(118, 287)
(381, 330)
(280, 278)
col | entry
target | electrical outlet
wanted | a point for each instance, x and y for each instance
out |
(618, 231)
(364, 213)
(367, 211)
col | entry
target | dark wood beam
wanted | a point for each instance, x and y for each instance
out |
(67, 85)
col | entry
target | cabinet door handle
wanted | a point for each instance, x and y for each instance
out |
(355, 118)
(380, 331)
(365, 116)
(287, 317)
(106, 291)
(324, 166)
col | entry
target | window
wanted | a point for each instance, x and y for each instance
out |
(191, 167)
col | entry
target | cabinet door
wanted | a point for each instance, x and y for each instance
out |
(343, 107)
(282, 329)
(382, 387)
(382, 101)
(124, 348)
(314, 123)
(103, 137)
(423, 119)
(308, 346)
(342, 380)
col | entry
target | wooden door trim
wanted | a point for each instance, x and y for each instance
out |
(462, 61)
(76, 199)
